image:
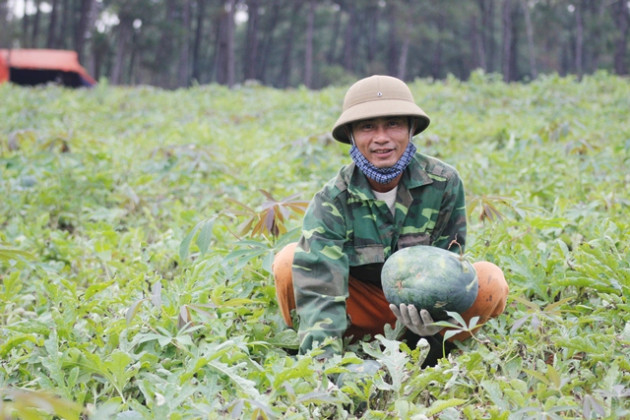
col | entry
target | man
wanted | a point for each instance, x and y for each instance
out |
(390, 197)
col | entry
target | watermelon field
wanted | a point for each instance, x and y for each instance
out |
(138, 227)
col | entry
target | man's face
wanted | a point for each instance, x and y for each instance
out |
(381, 140)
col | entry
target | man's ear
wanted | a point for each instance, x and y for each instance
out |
(348, 128)
(412, 126)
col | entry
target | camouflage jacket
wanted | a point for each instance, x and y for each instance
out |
(347, 231)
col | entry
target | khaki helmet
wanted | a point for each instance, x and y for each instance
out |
(378, 96)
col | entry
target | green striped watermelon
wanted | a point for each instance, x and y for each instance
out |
(430, 278)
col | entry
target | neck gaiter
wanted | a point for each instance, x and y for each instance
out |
(382, 175)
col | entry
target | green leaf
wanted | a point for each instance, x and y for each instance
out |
(392, 358)
(205, 236)
(133, 310)
(248, 387)
(184, 246)
(14, 254)
(96, 288)
(301, 369)
(117, 366)
(494, 393)
(441, 405)
(14, 342)
(451, 333)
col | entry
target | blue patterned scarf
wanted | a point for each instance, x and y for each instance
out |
(382, 175)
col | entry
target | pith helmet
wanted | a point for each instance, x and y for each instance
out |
(378, 96)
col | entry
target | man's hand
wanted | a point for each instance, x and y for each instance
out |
(420, 323)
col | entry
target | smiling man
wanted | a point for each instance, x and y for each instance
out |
(389, 198)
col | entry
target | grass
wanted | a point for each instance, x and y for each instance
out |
(136, 242)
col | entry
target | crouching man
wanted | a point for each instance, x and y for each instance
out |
(390, 197)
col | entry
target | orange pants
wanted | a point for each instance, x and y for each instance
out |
(369, 310)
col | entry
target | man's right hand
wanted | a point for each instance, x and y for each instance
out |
(419, 323)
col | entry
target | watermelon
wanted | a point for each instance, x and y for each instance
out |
(430, 278)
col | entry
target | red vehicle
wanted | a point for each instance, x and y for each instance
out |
(37, 66)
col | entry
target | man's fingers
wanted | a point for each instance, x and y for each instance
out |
(395, 310)
(404, 314)
(413, 315)
(426, 317)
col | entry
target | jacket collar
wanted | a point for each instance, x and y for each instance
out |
(352, 179)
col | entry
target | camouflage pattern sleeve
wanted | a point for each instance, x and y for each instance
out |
(320, 273)
(451, 222)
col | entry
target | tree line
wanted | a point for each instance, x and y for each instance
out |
(315, 43)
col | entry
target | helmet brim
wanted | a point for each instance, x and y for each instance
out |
(380, 108)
